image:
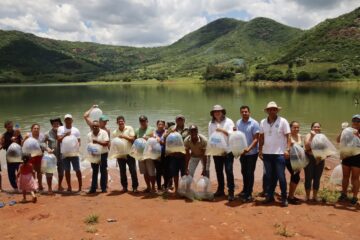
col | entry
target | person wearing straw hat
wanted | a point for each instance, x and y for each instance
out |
(225, 125)
(274, 147)
(54, 145)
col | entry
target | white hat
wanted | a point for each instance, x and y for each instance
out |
(272, 104)
(68, 116)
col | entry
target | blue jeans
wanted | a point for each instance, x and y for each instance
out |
(220, 162)
(248, 165)
(274, 171)
(103, 173)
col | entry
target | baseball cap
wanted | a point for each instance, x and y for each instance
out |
(68, 116)
(193, 127)
(180, 116)
(104, 118)
(143, 118)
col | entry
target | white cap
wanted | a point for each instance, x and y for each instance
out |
(68, 116)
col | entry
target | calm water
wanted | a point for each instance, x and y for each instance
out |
(26, 105)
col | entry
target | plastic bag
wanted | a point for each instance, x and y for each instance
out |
(31, 147)
(70, 146)
(186, 187)
(337, 175)
(137, 149)
(93, 153)
(217, 145)
(174, 143)
(298, 159)
(14, 153)
(349, 143)
(238, 143)
(322, 147)
(119, 147)
(95, 114)
(49, 163)
(203, 189)
(152, 149)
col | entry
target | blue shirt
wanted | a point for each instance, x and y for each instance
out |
(249, 128)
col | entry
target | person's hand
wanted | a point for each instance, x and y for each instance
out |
(219, 130)
(246, 150)
(286, 154)
(121, 136)
(67, 134)
(313, 133)
(51, 151)
(95, 141)
(261, 155)
(13, 139)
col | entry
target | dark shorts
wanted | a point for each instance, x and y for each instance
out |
(36, 161)
(74, 161)
(353, 161)
(177, 164)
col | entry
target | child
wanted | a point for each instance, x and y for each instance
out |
(26, 179)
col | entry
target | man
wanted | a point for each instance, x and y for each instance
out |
(127, 133)
(64, 131)
(7, 139)
(195, 146)
(100, 137)
(54, 145)
(147, 166)
(103, 120)
(250, 127)
(177, 160)
(274, 147)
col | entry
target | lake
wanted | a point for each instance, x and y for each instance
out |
(37, 104)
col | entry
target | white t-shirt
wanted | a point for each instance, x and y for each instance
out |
(62, 130)
(102, 136)
(275, 140)
(227, 124)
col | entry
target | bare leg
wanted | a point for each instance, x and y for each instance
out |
(60, 187)
(33, 196)
(292, 189)
(345, 180)
(355, 174)
(307, 194)
(68, 180)
(49, 182)
(24, 196)
(0, 183)
(152, 180)
(147, 181)
(176, 183)
(315, 193)
(79, 177)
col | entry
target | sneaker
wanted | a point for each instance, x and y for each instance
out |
(293, 201)
(284, 203)
(219, 194)
(231, 197)
(342, 197)
(269, 200)
(354, 201)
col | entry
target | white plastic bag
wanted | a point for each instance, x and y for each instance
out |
(298, 159)
(137, 149)
(14, 153)
(174, 143)
(322, 148)
(95, 114)
(70, 146)
(349, 143)
(152, 149)
(31, 147)
(217, 145)
(337, 175)
(238, 143)
(186, 187)
(49, 163)
(93, 153)
(119, 148)
(203, 189)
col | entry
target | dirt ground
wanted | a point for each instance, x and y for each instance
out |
(144, 216)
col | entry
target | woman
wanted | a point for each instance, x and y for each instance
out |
(351, 166)
(36, 160)
(160, 166)
(220, 123)
(295, 176)
(314, 169)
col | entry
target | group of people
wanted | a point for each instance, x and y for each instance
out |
(270, 140)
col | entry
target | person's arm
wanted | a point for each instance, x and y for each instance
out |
(87, 116)
(261, 144)
(1, 141)
(26, 137)
(288, 145)
(18, 172)
(102, 143)
(308, 139)
(187, 159)
(339, 136)
(253, 143)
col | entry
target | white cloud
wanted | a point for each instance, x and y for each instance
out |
(152, 22)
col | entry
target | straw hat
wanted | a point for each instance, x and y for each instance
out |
(217, 108)
(272, 104)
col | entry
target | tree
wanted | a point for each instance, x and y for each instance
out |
(303, 76)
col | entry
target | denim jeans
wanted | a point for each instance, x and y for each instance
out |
(12, 169)
(220, 162)
(130, 161)
(103, 173)
(248, 165)
(274, 171)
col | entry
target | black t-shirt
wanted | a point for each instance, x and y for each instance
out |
(7, 139)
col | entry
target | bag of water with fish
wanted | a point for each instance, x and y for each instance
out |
(137, 149)
(152, 149)
(93, 153)
(322, 148)
(217, 145)
(349, 143)
(238, 143)
(31, 147)
(70, 146)
(174, 143)
(14, 153)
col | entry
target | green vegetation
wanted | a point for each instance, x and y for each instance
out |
(92, 219)
(226, 49)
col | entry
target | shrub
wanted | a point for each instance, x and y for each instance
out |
(303, 76)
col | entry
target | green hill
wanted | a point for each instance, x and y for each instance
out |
(259, 49)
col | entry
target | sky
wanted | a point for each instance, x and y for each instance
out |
(153, 22)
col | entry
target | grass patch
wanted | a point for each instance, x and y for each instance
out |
(92, 219)
(328, 195)
(283, 231)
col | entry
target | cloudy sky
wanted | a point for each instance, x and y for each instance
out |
(153, 22)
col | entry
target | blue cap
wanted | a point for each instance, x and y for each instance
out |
(103, 118)
(356, 116)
